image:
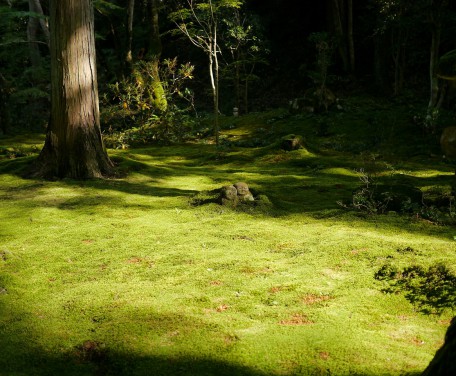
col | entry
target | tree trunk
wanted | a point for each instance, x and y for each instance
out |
(398, 51)
(338, 25)
(351, 44)
(216, 99)
(380, 73)
(130, 15)
(216, 86)
(4, 98)
(433, 62)
(37, 8)
(248, 76)
(73, 147)
(32, 37)
(33, 26)
(213, 72)
(237, 80)
(155, 50)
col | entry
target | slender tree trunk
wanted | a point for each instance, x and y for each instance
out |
(216, 99)
(216, 95)
(436, 17)
(32, 37)
(155, 50)
(351, 44)
(237, 79)
(433, 61)
(73, 146)
(380, 76)
(338, 25)
(213, 72)
(397, 53)
(4, 98)
(33, 27)
(37, 8)
(130, 16)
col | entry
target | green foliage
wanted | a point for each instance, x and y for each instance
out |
(104, 6)
(194, 16)
(244, 39)
(432, 290)
(11, 15)
(129, 115)
(27, 87)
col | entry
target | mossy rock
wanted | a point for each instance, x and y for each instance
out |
(292, 142)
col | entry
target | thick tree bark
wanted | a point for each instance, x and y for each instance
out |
(73, 146)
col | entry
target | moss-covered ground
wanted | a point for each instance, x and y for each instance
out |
(126, 276)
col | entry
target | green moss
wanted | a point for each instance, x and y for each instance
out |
(164, 287)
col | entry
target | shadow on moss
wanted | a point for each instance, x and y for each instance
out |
(432, 290)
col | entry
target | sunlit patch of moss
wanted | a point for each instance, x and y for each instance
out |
(339, 171)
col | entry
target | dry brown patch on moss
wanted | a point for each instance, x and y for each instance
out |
(297, 319)
(310, 299)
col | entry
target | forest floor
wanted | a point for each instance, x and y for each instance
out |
(137, 275)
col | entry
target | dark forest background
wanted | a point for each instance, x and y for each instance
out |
(386, 48)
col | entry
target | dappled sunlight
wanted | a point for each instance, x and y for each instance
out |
(339, 171)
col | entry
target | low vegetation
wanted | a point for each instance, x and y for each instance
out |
(145, 274)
